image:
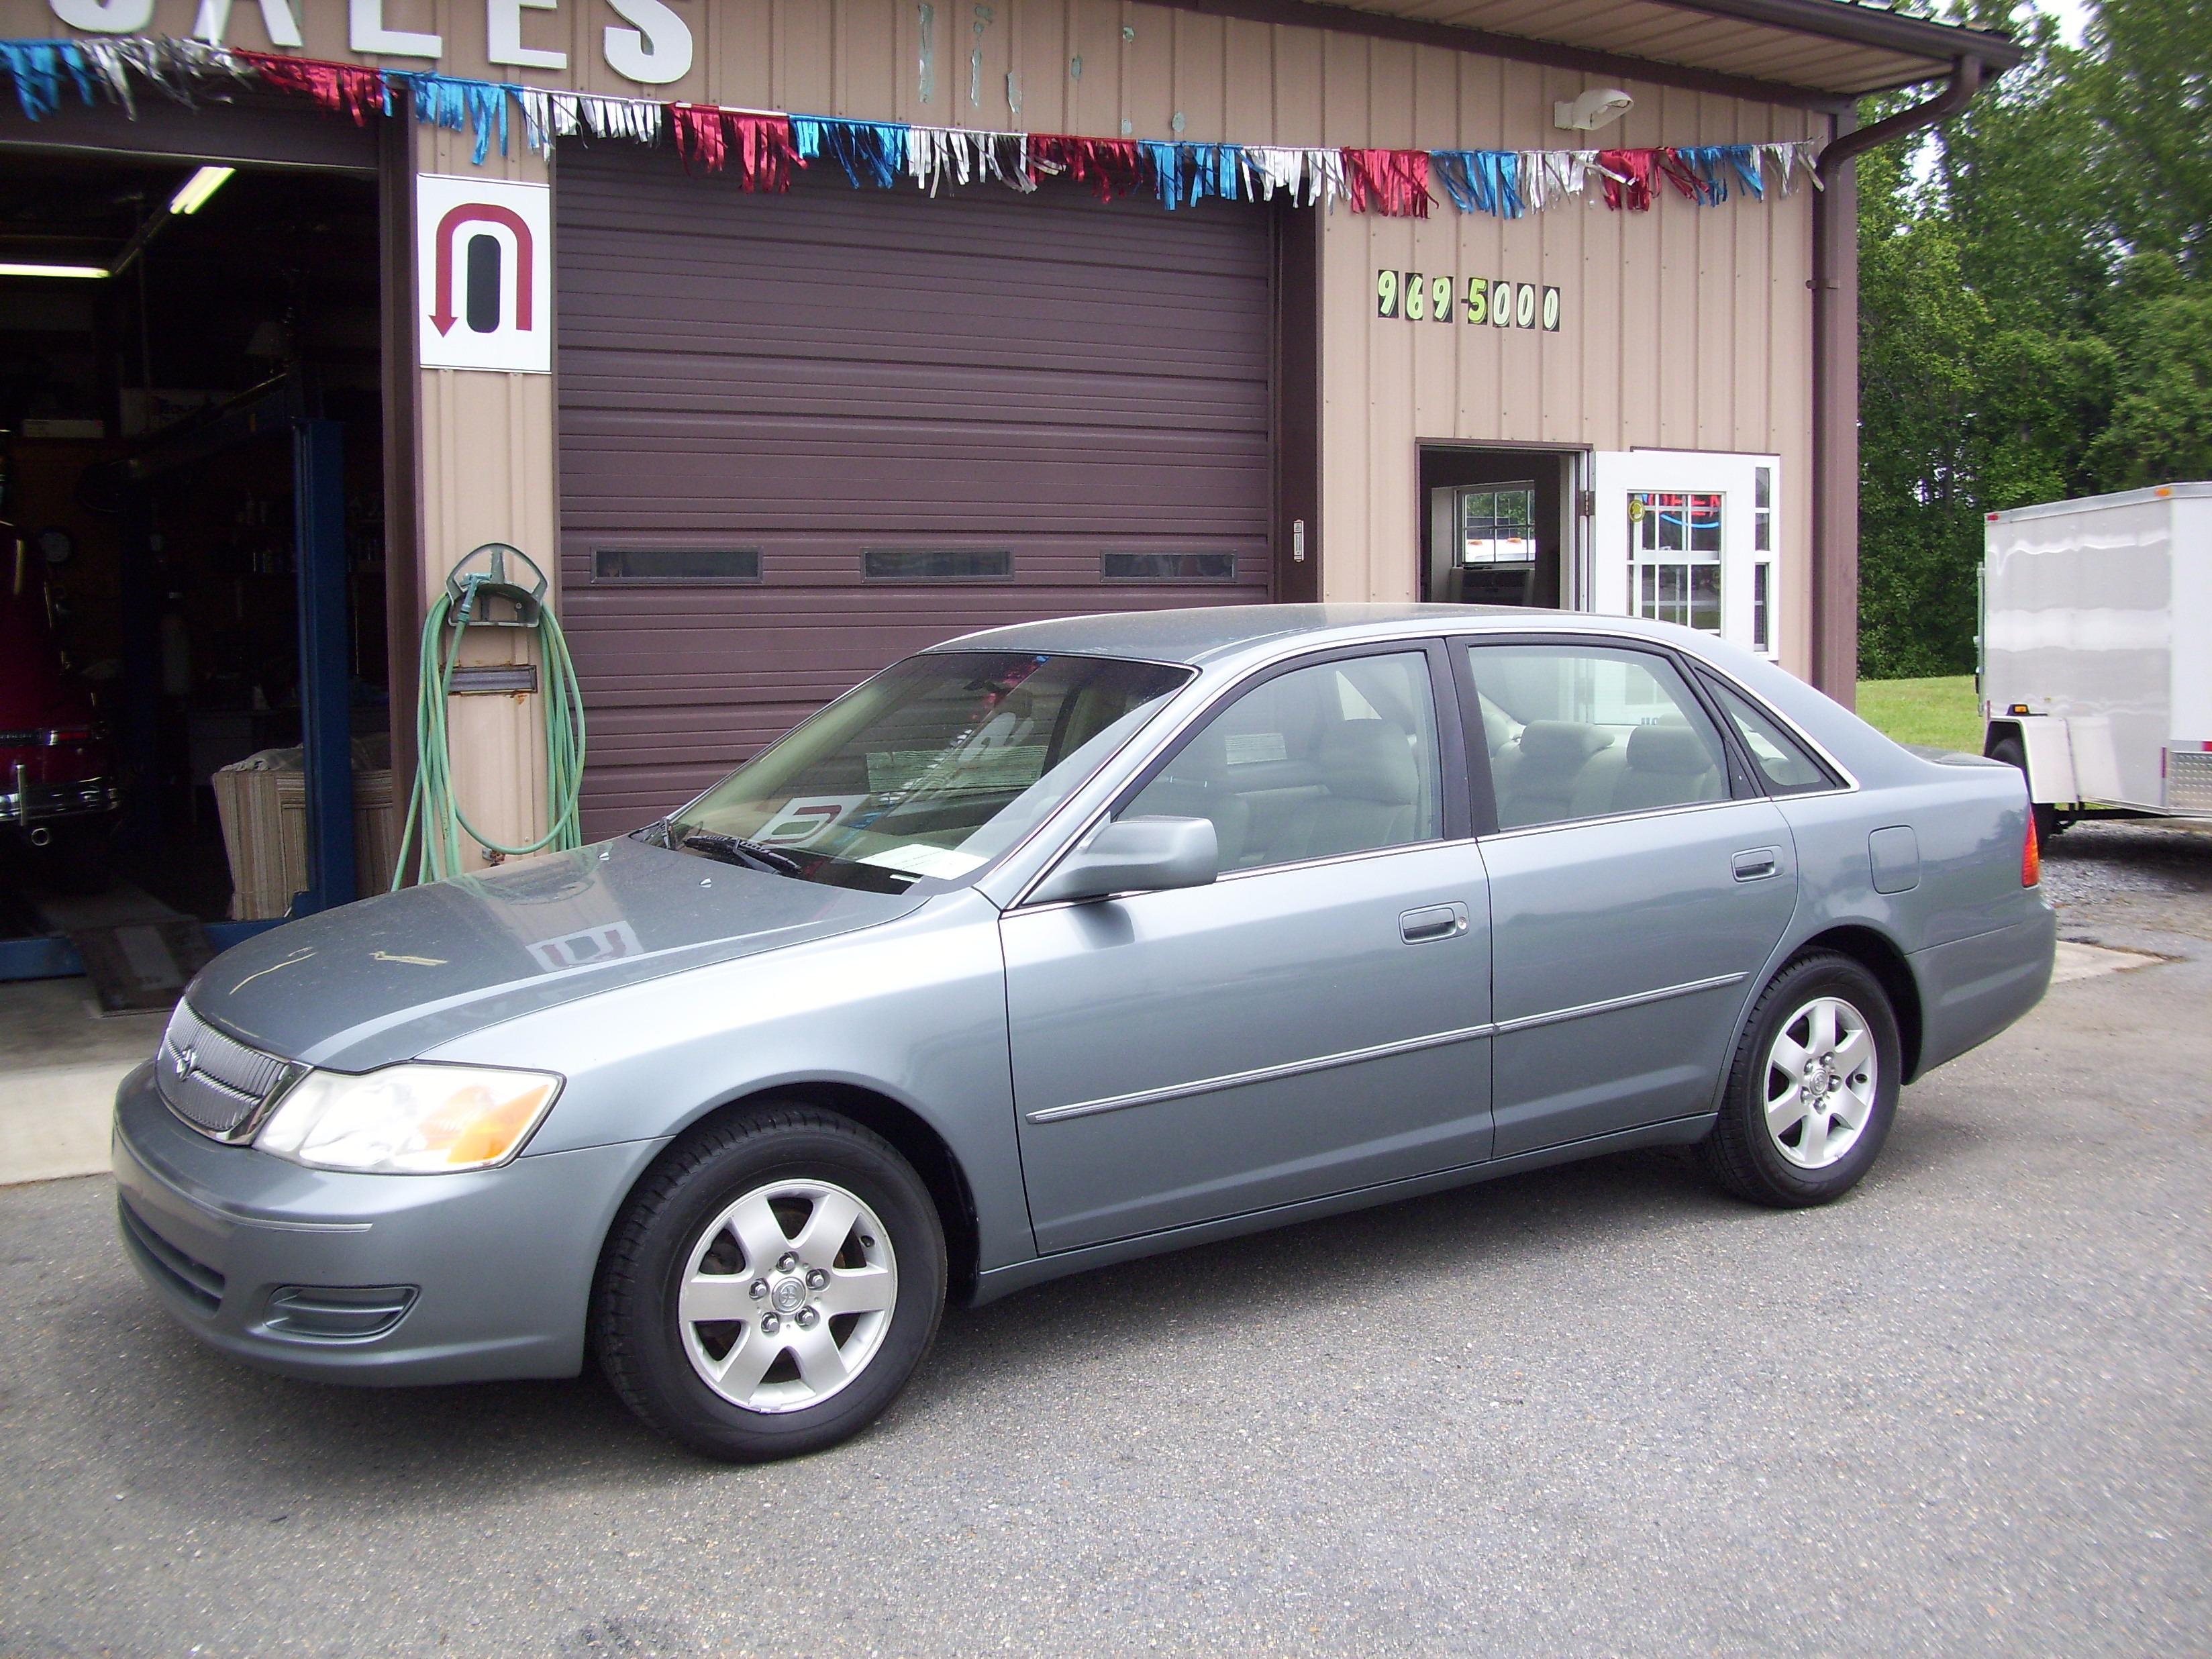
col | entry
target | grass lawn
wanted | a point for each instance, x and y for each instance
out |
(1942, 713)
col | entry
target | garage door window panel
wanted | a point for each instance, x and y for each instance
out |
(1324, 761)
(1579, 732)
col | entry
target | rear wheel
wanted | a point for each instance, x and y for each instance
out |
(771, 1286)
(1812, 1088)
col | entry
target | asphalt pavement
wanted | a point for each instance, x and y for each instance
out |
(1596, 1410)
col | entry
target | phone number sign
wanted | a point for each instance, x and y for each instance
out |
(1483, 300)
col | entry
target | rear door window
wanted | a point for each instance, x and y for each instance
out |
(1579, 732)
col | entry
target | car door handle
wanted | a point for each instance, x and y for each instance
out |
(1432, 921)
(1757, 864)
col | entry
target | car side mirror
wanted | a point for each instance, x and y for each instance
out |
(1135, 855)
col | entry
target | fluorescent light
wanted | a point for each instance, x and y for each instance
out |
(53, 270)
(197, 188)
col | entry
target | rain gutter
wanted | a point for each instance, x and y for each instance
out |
(1835, 655)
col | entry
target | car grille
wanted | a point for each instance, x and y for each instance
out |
(215, 1083)
(194, 1280)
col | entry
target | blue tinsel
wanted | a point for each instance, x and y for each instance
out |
(871, 152)
(37, 68)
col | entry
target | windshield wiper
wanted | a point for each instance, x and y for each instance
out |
(735, 849)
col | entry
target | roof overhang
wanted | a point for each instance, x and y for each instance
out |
(1823, 54)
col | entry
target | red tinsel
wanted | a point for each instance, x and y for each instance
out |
(357, 91)
(1109, 166)
(1637, 167)
(761, 146)
(1396, 181)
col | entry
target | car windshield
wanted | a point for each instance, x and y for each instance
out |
(928, 771)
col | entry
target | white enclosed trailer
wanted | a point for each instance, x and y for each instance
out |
(2096, 653)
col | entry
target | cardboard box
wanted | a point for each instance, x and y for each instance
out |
(264, 831)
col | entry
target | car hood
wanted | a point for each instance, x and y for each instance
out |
(382, 981)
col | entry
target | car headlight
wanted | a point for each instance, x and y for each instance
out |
(408, 1120)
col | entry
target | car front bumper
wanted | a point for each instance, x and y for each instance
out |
(363, 1277)
(30, 804)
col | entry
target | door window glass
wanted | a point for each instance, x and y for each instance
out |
(1674, 557)
(1585, 731)
(1339, 757)
(1788, 770)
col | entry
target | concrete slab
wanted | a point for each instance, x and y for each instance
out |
(2078, 959)
(60, 1061)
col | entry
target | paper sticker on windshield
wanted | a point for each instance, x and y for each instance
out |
(1249, 748)
(919, 859)
(802, 817)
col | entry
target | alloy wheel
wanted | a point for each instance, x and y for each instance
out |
(1820, 1083)
(787, 1296)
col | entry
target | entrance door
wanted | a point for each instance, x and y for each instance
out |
(1690, 536)
(1497, 528)
(1314, 1022)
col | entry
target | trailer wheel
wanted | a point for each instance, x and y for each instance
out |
(2010, 752)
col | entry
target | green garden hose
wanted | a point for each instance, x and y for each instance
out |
(434, 810)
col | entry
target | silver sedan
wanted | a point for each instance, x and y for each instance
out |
(1058, 946)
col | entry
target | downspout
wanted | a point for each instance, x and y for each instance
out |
(1835, 287)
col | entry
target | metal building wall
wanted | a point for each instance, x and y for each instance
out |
(1685, 328)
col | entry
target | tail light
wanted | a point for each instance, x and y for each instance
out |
(2031, 857)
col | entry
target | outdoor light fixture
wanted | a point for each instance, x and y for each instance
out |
(196, 190)
(54, 271)
(1600, 106)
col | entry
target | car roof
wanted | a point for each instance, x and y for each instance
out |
(1209, 635)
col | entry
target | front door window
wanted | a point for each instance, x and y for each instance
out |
(1674, 557)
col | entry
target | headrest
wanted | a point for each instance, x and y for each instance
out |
(1560, 745)
(1371, 760)
(1674, 748)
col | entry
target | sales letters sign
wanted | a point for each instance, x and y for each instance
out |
(483, 274)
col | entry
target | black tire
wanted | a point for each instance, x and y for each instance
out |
(1740, 1152)
(636, 1331)
(2009, 751)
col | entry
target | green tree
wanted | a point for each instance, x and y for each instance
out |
(2035, 309)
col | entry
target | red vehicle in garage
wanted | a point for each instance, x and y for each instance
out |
(57, 778)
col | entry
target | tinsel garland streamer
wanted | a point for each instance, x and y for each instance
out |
(547, 116)
(446, 100)
(762, 148)
(1396, 182)
(873, 152)
(1111, 166)
(348, 88)
(765, 149)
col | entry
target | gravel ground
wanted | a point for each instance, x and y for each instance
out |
(1596, 1410)
(2090, 866)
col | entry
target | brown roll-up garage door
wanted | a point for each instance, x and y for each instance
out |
(804, 434)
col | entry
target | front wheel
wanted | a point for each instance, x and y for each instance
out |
(771, 1286)
(1812, 1087)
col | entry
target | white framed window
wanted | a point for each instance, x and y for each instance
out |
(1674, 557)
(1497, 525)
(1762, 568)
